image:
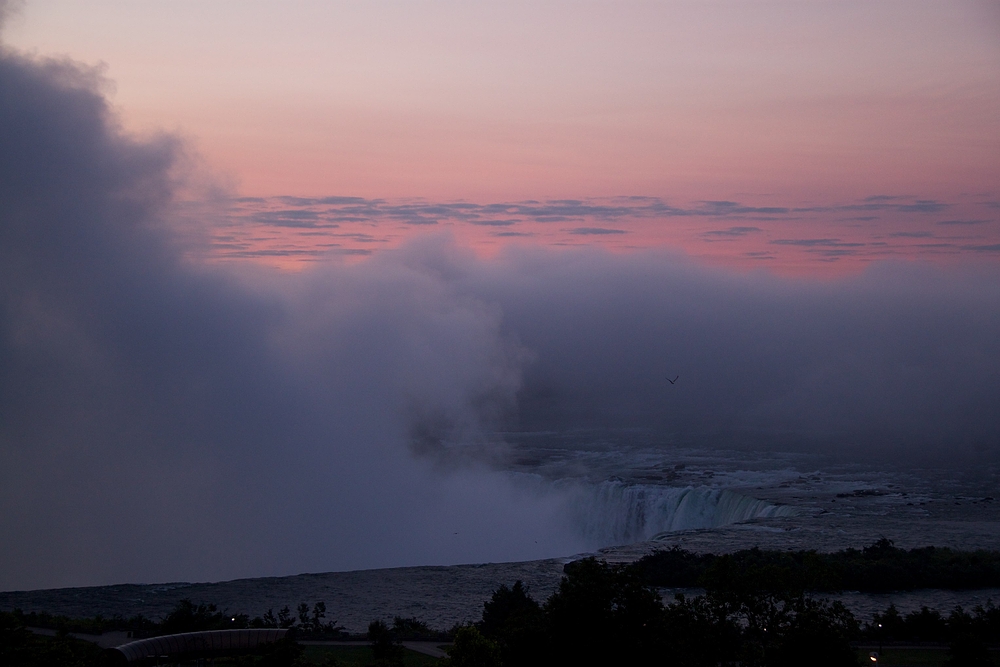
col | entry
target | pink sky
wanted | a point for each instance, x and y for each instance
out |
(810, 108)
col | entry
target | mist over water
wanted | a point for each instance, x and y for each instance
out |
(164, 419)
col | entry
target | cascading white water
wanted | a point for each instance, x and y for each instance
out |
(614, 513)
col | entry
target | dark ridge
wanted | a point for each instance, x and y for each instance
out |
(879, 568)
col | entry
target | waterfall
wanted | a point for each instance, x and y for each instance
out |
(614, 513)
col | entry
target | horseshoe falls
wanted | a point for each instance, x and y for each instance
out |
(614, 513)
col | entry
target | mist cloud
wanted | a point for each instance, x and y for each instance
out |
(164, 419)
(899, 364)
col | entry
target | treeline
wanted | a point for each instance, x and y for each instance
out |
(605, 614)
(20, 647)
(879, 568)
(139, 625)
(929, 625)
(308, 622)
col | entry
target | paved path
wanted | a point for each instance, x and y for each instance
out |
(106, 640)
(435, 649)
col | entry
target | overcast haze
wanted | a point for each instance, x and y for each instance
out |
(165, 415)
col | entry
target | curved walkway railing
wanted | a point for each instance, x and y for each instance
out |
(195, 645)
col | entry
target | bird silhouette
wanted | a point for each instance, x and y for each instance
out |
(674, 380)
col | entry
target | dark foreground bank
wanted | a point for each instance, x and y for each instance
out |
(758, 608)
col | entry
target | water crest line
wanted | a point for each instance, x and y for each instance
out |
(615, 513)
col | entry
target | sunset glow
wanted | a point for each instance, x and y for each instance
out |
(798, 136)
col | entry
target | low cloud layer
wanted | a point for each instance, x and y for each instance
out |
(164, 419)
(849, 235)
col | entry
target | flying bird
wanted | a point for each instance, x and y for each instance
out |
(672, 381)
